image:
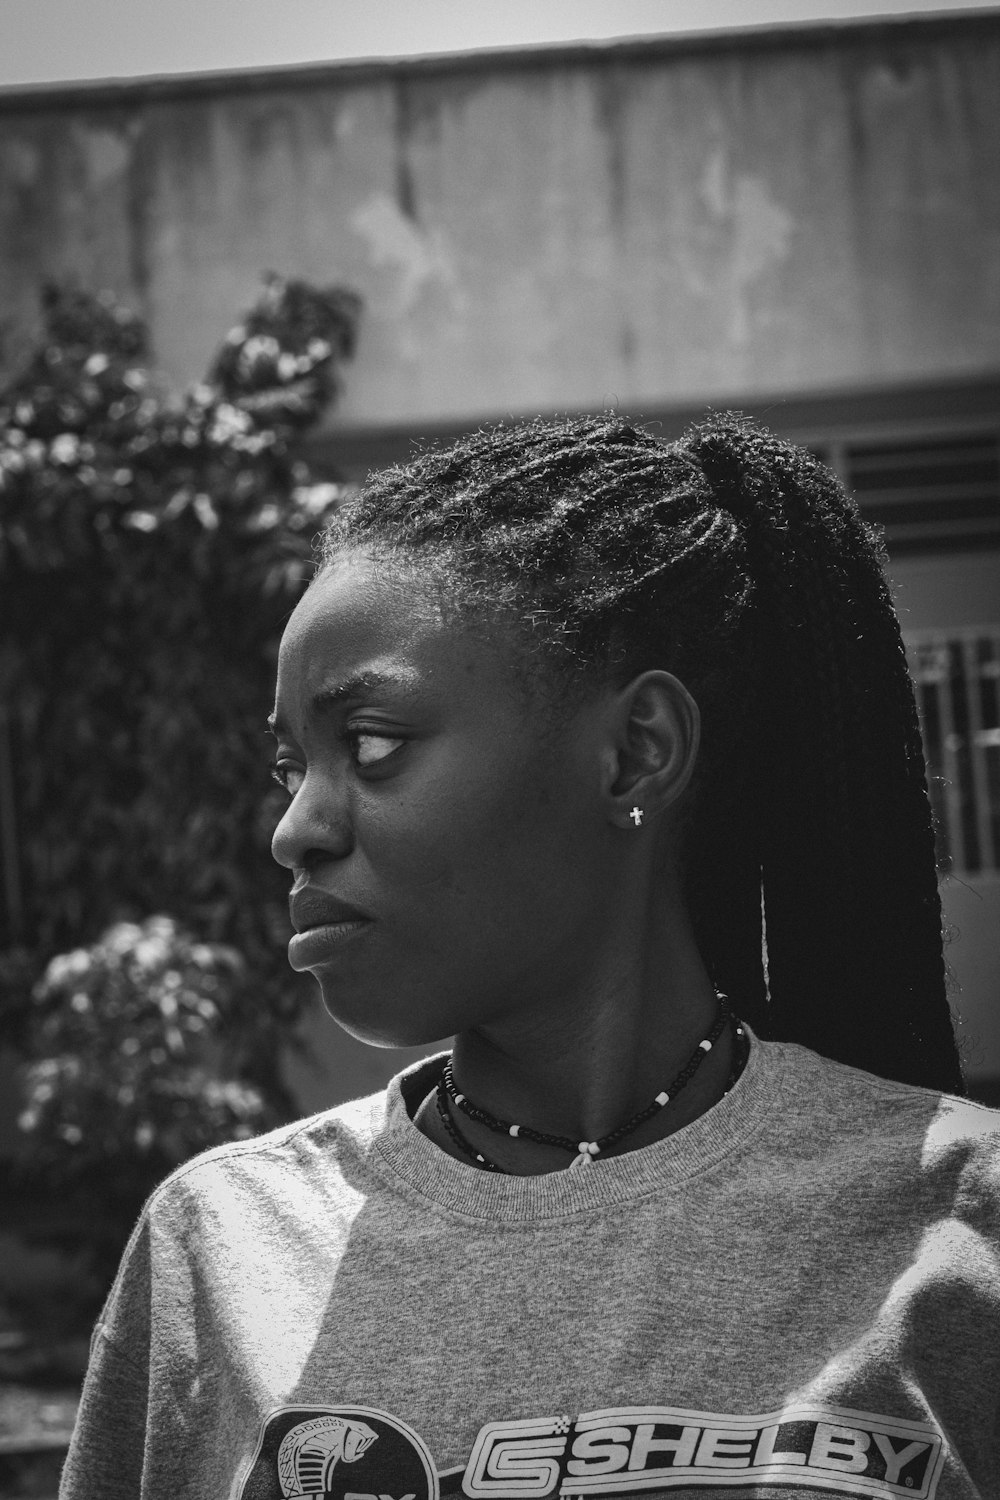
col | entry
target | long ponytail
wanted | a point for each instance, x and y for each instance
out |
(830, 832)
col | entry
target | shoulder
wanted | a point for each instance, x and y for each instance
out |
(849, 1100)
(325, 1154)
(949, 1144)
(232, 1214)
(840, 1087)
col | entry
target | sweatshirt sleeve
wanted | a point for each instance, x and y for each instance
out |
(106, 1452)
(105, 1459)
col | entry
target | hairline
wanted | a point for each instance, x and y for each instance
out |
(551, 677)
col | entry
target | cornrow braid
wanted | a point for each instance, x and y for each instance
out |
(736, 561)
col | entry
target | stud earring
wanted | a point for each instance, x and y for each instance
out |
(636, 816)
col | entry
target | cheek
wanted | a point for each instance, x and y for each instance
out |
(467, 836)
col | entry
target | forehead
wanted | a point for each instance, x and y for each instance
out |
(357, 601)
(363, 622)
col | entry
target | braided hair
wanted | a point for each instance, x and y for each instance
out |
(737, 562)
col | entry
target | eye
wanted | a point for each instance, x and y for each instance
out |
(288, 775)
(367, 749)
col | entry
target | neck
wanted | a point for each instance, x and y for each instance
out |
(581, 1068)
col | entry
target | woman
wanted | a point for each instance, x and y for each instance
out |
(584, 733)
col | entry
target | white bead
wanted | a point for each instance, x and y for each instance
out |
(459, 1098)
(705, 1046)
(515, 1130)
(662, 1099)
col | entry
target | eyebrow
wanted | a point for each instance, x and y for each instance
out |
(357, 686)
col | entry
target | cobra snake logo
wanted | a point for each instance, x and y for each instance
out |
(310, 1452)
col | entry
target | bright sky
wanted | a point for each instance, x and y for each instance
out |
(54, 40)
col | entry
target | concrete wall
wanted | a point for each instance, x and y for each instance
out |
(661, 222)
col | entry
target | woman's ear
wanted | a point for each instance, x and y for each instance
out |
(657, 730)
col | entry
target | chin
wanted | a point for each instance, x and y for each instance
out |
(384, 1027)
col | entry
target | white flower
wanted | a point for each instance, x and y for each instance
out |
(261, 346)
(314, 499)
(97, 364)
(288, 366)
(177, 504)
(65, 449)
(122, 937)
(67, 966)
(149, 952)
(267, 517)
(206, 512)
(229, 422)
(168, 1003)
(235, 416)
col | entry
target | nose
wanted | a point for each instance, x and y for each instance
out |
(316, 827)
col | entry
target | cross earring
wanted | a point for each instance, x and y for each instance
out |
(636, 816)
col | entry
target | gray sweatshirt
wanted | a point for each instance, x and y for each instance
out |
(796, 1295)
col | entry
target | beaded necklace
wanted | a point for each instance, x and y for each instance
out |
(447, 1094)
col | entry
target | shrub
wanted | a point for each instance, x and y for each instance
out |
(130, 1071)
(150, 549)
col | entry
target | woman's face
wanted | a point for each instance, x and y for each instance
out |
(444, 838)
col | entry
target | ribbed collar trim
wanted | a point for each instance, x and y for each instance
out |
(716, 1135)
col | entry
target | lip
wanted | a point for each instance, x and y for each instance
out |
(323, 925)
(312, 907)
(321, 944)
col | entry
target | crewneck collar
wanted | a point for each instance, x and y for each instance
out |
(466, 1190)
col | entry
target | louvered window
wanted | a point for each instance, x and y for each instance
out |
(929, 494)
(957, 680)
